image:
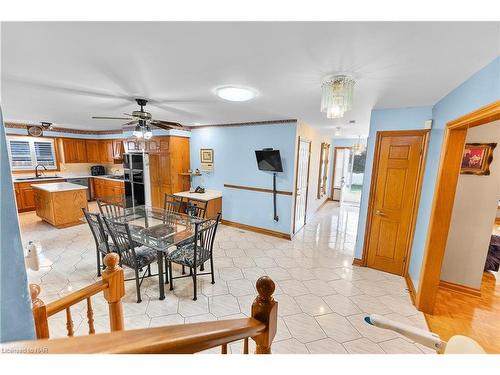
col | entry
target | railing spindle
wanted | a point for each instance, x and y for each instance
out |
(69, 322)
(265, 310)
(245, 346)
(39, 313)
(90, 316)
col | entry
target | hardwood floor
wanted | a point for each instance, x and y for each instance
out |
(477, 317)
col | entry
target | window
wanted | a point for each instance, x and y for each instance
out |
(27, 152)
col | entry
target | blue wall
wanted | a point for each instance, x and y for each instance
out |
(385, 119)
(234, 163)
(479, 90)
(16, 319)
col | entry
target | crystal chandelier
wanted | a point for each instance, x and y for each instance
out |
(337, 95)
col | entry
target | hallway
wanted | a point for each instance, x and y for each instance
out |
(322, 297)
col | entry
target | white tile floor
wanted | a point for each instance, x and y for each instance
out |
(322, 297)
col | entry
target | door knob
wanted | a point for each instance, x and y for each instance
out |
(380, 213)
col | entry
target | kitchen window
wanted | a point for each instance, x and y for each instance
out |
(27, 152)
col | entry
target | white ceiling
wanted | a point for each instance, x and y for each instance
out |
(67, 72)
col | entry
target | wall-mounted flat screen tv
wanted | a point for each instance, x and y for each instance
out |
(269, 160)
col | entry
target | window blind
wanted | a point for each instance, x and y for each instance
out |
(44, 153)
(20, 154)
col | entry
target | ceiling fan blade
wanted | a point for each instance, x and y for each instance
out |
(128, 114)
(110, 118)
(166, 124)
(130, 123)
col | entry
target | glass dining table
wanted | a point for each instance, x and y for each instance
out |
(157, 229)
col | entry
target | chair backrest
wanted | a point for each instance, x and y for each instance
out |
(112, 206)
(172, 203)
(120, 235)
(204, 233)
(97, 229)
(196, 208)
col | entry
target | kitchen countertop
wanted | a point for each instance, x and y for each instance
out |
(62, 177)
(208, 195)
(55, 187)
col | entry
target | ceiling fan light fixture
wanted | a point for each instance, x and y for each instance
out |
(235, 93)
(138, 132)
(148, 134)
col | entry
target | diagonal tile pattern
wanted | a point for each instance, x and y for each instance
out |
(322, 297)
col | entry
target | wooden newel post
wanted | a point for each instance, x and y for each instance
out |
(265, 310)
(113, 274)
(39, 313)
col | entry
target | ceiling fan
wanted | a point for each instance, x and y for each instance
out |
(142, 121)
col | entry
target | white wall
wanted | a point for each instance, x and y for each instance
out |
(316, 137)
(473, 215)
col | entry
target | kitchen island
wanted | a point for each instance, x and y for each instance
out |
(212, 197)
(60, 203)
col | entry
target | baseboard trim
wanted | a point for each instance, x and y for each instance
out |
(251, 228)
(358, 262)
(322, 205)
(459, 288)
(411, 289)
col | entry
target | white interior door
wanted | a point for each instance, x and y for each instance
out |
(302, 184)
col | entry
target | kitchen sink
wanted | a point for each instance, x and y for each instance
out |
(38, 178)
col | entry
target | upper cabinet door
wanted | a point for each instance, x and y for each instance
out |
(106, 151)
(118, 150)
(93, 151)
(74, 150)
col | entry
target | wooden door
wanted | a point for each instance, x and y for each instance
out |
(394, 199)
(302, 184)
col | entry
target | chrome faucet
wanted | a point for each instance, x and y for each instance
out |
(37, 174)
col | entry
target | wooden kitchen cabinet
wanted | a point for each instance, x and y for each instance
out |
(93, 151)
(74, 150)
(166, 166)
(118, 150)
(104, 188)
(25, 195)
(106, 151)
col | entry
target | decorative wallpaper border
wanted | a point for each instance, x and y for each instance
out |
(16, 125)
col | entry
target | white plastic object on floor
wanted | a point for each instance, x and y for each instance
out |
(456, 345)
(32, 259)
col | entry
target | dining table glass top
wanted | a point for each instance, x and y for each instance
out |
(155, 227)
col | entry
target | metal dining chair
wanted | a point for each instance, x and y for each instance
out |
(196, 208)
(136, 258)
(102, 245)
(195, 252)
(172, 203)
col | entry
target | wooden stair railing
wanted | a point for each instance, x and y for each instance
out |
(113, 287)
(176, 339)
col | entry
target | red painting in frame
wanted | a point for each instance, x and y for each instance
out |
(477, 158)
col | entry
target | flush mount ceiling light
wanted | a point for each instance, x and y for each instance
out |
(235, 93)
(337, 95)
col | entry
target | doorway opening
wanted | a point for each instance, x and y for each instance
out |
(301, 184)
(348, 173)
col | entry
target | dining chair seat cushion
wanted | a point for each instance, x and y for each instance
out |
(144, 256)
(185, 255)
